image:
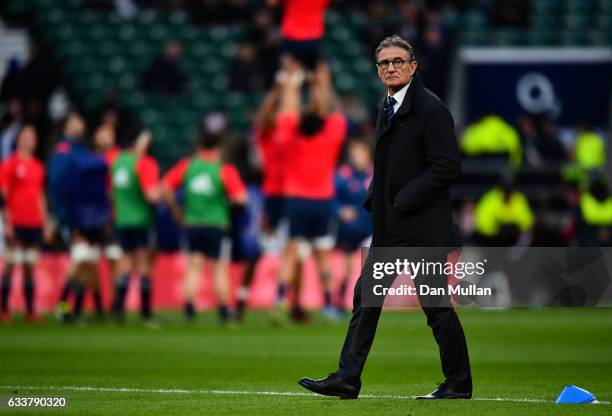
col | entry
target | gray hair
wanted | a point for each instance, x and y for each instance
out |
(395, 40)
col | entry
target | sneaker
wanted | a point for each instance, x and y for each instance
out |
(151, 323)
(118, 317)
(299, 315)
(62, 311)
(34, 319)
(278, 315)
(331, 314)
(240, 310)
(5, 318)
(190, 312)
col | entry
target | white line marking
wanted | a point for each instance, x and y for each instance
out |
(247, 393)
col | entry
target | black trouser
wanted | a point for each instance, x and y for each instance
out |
(441, 318)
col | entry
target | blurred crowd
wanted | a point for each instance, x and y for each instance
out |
(98, 200)
(88, 185)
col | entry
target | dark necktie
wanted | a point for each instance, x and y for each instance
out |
(389, 107)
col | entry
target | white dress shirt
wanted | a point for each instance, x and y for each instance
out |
(399, 96)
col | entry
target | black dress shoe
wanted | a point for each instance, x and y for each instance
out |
(332, 385)
(444, 391)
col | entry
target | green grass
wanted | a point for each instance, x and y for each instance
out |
(516, 354)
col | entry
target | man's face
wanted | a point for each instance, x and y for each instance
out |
(104, 139)
(359, 155)
(27, 140)
(75, 126)
(395, 68)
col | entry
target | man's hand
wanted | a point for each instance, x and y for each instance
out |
(348, 213)
(48, 232)
(9, 230)
(177, 214)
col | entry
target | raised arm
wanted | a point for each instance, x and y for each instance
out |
(266, 112)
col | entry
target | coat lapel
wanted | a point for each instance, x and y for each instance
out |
(382, 124)
(381, 120)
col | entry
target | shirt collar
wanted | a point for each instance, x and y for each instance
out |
(399, 96)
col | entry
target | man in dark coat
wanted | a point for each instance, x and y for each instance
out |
(416, 160)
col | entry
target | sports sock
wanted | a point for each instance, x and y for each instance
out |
(66, 290)
(145, 297)
(28, 291)
(5, 290)
(243, 295)
(328, 298)
(97, 298)
(79, 295)
(282, 290)
(190, 311)
(223, 312)
(121, 289)
(342, 291)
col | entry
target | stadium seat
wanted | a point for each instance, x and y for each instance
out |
(545, 6)
(127, 83)
(544, 21)
(576, 21)
(340, 34)
(508, 37)
(113, 52)
(72, 50)
(126, 33)
(345, 83)
(475, 20)
(574, 38)
(158, 33)
(604, 7)
(542, 38)
(364, 66)
(600, 37)
(579, 6)
(604, 21)
(228, 49)
(474, 38)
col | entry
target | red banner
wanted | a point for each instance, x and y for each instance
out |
(168, 281)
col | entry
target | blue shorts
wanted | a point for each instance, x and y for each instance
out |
(309, 218)
(308, 52)
(205, 240)
(274, 208)
(28, 236)
(134, 238)
(349, 241)
(93, 235)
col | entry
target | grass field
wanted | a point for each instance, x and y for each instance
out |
(521, 357)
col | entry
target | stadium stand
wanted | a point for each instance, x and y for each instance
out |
(103, 55)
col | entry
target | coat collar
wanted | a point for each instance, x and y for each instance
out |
(415, 85)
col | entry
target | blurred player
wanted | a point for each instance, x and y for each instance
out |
(135, 190)
(273, 162)
(59, 169)
(302, 29)
(105, 146)
(207, 183)
(354, 223)
(246, 221)
(313, 136)
(89, 214)
(22, 182)
(245, 237)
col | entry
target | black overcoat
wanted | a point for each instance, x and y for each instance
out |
(416, 159)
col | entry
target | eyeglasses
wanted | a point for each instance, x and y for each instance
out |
(384, 64)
